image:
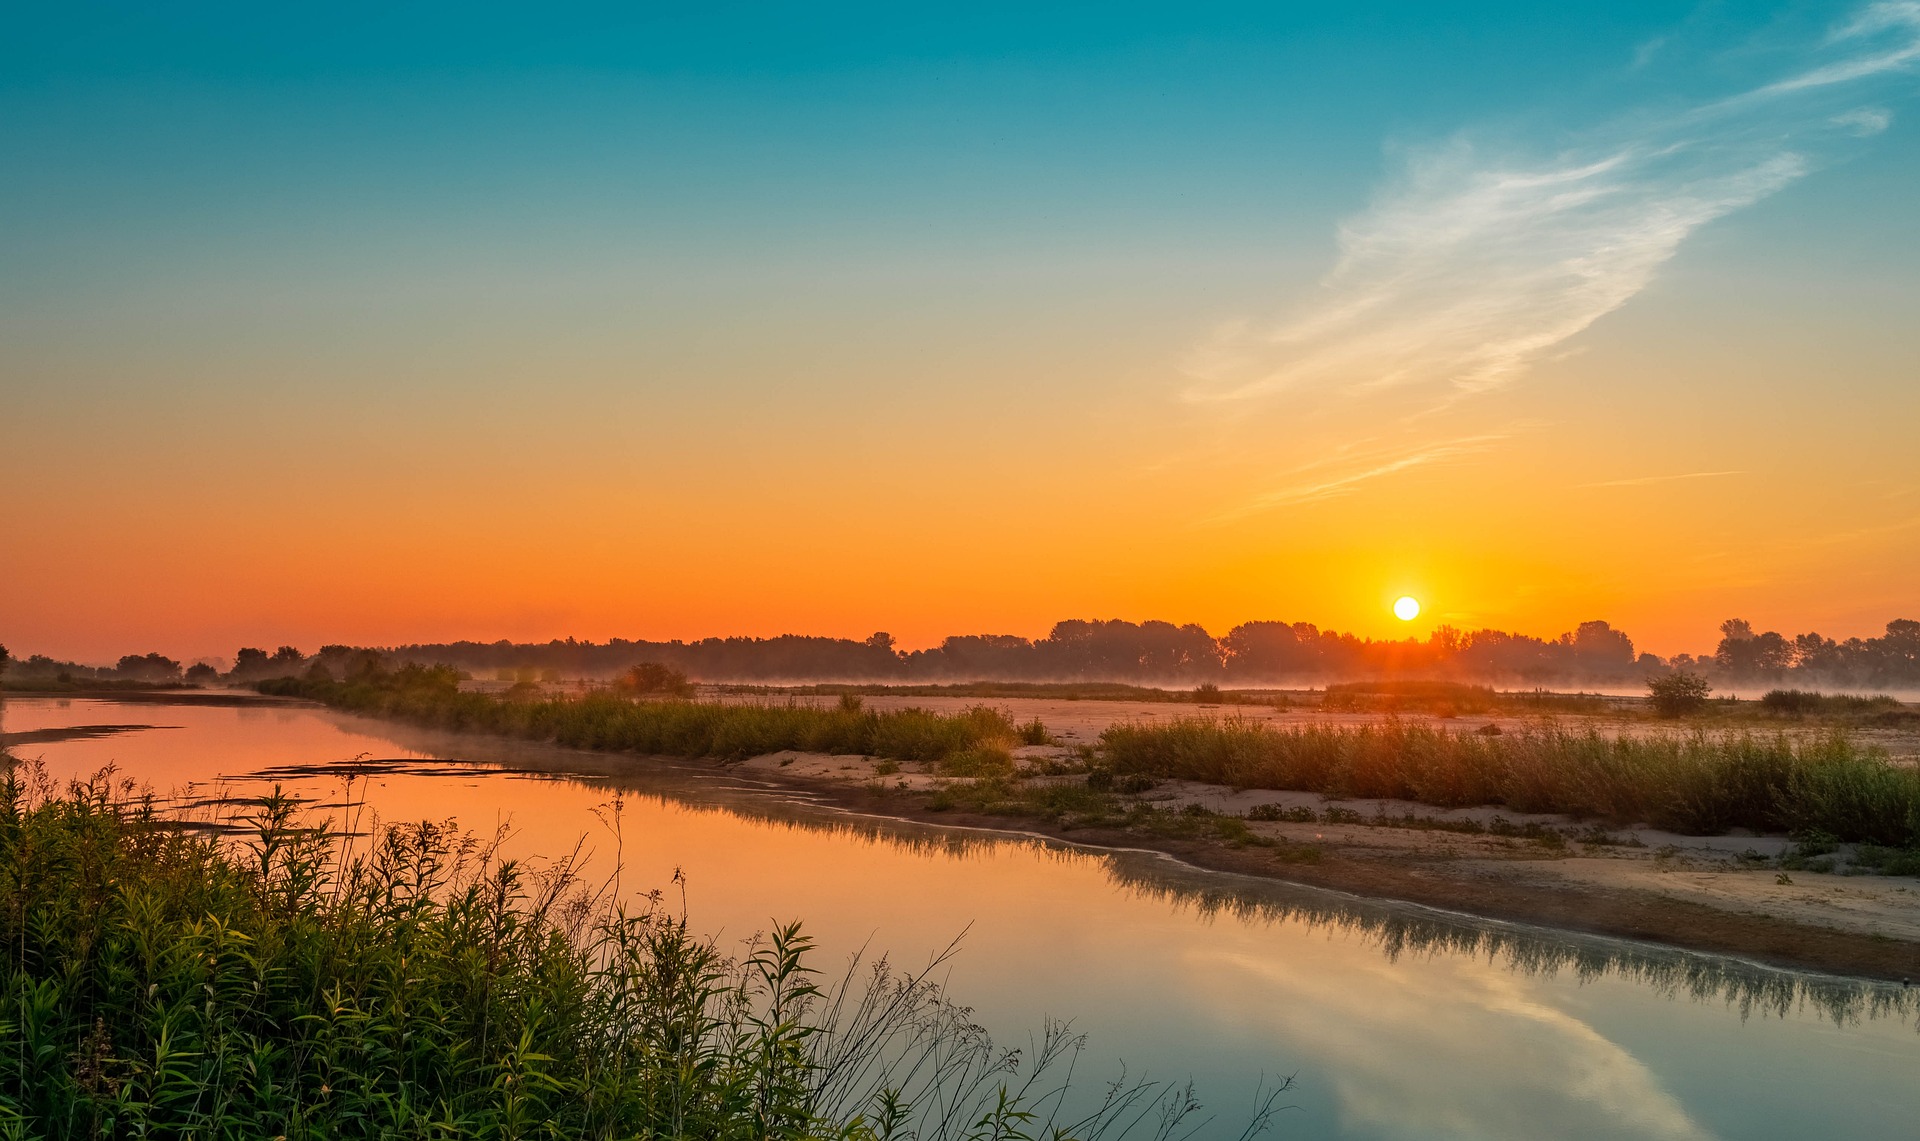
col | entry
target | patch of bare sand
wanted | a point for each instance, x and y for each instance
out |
(1715, 872)
(1884, 906)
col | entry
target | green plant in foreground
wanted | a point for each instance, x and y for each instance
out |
(156, 981)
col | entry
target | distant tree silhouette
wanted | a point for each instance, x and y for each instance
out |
(1600, 649)
(1678, 694)
(249, 663)
(1164, 653)
(652, 677)
(148, 667)
(1744, 654)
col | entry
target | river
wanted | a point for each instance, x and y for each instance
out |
(1394, 1021)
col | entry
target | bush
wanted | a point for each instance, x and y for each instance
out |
(651, 677)
(1678, 694)
(161, 983)
(1035, 732)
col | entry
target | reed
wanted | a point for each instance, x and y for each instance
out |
(676, 727)
(161, 982)
(1801, 703)
(1696, 783)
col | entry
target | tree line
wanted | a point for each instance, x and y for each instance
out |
(1250, 654)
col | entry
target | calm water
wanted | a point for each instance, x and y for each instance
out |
(1396, 1022)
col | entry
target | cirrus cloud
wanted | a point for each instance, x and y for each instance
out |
(1471, 266)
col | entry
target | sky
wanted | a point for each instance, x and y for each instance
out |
(407, 322)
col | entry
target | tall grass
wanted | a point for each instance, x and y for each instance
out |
(1801, 702)
(156, 982)
(673, 727)
(1695, 783)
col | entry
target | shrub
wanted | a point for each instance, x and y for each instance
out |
(162, 983)
(1678, 694)
(651, 677)
(1035, 732)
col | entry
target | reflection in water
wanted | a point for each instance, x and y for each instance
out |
(1399, 1021)
(1393, 929)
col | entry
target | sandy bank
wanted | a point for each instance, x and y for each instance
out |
(1723, 894)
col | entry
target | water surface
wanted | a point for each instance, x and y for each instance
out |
(1395, 1021)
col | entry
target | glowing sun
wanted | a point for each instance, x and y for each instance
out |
(1406, 608)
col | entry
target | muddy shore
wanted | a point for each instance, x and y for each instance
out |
(1698, 893)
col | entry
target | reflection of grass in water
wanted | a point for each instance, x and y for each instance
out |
(1401, 930)
(161, 982)
(1393, 929)
(1696, 783)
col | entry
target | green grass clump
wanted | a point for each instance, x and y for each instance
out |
(1695, 783)
(987, 759)
(158, 982)
(1399, 695)
(672, 727)
(1802, 702)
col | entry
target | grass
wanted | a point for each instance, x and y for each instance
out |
(161, 982)
(1694, 783)
(672, 727)
(1206, 694)
(1801, 703)
(1451, 699)
(1390, 696)
(36, 683)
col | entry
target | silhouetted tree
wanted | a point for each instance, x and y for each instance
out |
(1678, 694)
(1600, 649)
(1743, 653)
(148, 667)
(652, 677)
(249, 664)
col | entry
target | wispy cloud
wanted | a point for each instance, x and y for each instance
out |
(1471, 266)
(1308, 487)
(1645, 480)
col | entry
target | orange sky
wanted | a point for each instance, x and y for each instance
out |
(722, 337)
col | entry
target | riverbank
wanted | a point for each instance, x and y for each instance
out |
(1579, 861)
(1752, 897)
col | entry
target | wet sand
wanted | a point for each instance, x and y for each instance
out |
(1708, 893)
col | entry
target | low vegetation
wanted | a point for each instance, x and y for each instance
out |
(676, 727)
(1204, 694)
(1678, 694)
(160, 982)
(1804, 703)
(1695, 783)
(653, 678)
